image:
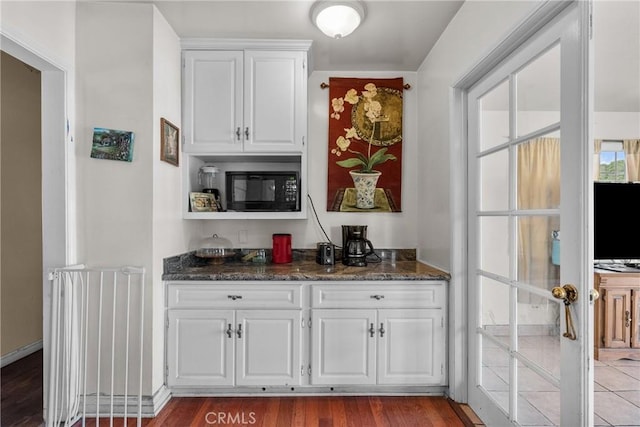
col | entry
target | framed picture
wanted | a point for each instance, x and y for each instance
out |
(202, 202)
(169, 142)
(112, 144)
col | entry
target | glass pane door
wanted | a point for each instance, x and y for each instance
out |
(519, 141)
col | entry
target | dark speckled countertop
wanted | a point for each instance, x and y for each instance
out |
(303, 267)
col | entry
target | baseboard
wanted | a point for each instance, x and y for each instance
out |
(20, 353)
(150, 408)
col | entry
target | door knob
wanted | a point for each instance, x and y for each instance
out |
(593, 295)
(568, 294)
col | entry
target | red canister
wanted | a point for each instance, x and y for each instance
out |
(281, 251)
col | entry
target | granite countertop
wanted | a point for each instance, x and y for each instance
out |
(303, 267)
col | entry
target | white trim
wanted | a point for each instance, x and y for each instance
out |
(204, 43)
(20, 353)
(457, 285)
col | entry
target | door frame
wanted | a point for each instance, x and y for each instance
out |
(58, 172)
(538, 18)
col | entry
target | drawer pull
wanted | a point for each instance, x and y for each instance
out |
(382, 331)
(229, 331)
(238, 133)
(378, 297)
(239, 331)
(627, 318)
(234, 297)
(372, 331)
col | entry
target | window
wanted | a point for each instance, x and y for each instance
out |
(612, 162)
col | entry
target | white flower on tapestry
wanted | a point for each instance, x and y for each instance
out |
(343, 142)
(338, 107)
(373, 112)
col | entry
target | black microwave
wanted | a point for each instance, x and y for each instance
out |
(263, 191)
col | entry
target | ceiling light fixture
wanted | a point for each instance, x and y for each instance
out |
(337, 19)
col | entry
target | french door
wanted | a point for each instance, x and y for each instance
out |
(529, 262)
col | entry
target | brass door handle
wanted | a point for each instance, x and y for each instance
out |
(568, 294)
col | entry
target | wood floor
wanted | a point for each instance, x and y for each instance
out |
(21, 392)
(22, 406)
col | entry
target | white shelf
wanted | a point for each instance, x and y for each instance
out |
(246, 215)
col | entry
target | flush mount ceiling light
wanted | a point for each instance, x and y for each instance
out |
(337, 19)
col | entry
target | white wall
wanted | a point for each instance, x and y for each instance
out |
(477, 27)
(129, 77)
(46, 27)
(386, 230)
(171, 234)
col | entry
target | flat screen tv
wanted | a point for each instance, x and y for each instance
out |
(616, 221)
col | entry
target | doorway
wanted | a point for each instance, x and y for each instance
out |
(526, 110)
(58, 179)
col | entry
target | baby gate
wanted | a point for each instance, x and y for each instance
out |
(95, 345)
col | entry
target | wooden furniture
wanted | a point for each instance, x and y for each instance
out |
(240, 337)
(617, 316)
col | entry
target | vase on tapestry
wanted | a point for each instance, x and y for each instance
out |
(365, 186)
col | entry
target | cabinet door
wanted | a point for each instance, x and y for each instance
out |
(275, 101)
(635, 318)
(617, 318)
(411, 346)
(212, 101)
(199, 349)
(343, 349)
(268, 347)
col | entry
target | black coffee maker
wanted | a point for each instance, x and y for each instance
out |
(355, 246)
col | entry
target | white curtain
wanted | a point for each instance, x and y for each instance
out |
(538, 188)
(631, 149)
(597, 147)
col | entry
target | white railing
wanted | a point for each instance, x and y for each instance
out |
(96, 345)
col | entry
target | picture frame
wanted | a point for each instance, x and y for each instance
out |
(202, 202)
(112, 144)
(169, 142)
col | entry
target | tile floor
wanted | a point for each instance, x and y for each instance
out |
(617, 385)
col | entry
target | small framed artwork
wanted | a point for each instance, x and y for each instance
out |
(202, 202)
(112, 144)
(169, 142)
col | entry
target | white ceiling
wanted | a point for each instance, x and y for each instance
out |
(397, 35)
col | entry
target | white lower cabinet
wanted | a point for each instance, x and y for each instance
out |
(305, 335)
(384, 334)
(209, 347)
(393, 347)
(226, 347)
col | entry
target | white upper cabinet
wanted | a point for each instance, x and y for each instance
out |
(212, 105)
(238, 101)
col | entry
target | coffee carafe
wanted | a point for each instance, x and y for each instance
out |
(355, 246)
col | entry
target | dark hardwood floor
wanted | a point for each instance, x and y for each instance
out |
(21, 390)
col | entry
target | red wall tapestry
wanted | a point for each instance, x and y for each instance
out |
(365, 145)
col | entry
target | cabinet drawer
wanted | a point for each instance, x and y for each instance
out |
(379, 296)
(233, 296)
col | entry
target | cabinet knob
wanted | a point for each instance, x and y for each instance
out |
(627, 318)
(377, 297)
(239, 331)
(238, 133)
(372, 331)
(229, 331)
(234, 297)
(382, 331)
(246, 132)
